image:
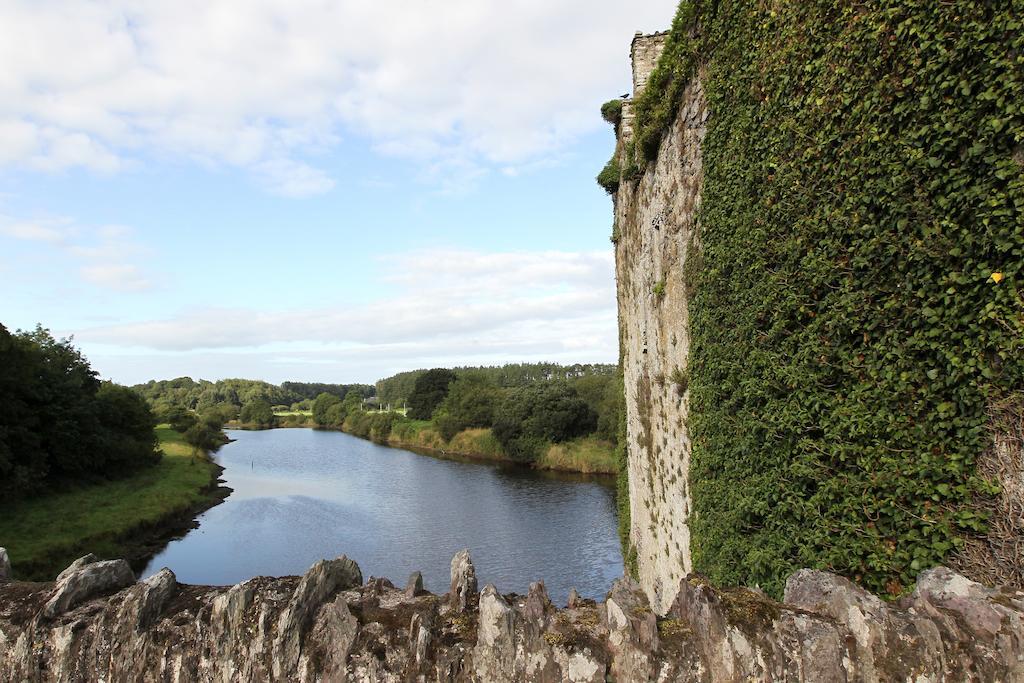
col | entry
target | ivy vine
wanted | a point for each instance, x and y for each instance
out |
(859, 302)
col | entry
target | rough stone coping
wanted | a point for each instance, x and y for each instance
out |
(329, 625)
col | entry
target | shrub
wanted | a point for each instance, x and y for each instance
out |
(611, 111)
(258, 413)
(470, 403)
(609, 176)
(322, 405)
(530, 417)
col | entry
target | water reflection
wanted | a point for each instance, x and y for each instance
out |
(301, 495)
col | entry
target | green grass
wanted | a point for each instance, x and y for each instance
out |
(43, 535)
(588, 454)
(479, 442)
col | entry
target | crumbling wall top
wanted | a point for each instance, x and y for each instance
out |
(644, 52)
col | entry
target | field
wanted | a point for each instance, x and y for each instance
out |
(43, 535)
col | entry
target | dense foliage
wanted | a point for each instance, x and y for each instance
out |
(395, 390)
(60, 424)
(470, 403)
(258, 413)
(518, 411)
(859, 303)
(428, 391)
(229, 396)
(611, 111)
(609, 176)
(310, 390)
(530, 417)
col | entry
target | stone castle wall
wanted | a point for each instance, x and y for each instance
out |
(656, 234)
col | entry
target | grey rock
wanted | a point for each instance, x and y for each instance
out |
(323, 626)
(538, 604)
(151, 596)
(632, 631)
(378, 585)
(414, 586)
(495, 651)
(239, 626)
(76, 565)
(321, 581)
(228, 609)
(579, 666)
(574, 599)
(87, 581)
(462, 591)
(5, 565)
(890, 644)
(739, 634)
(419, 640)
(981, 629)
(338, 628)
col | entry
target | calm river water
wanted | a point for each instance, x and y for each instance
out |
(301, 495)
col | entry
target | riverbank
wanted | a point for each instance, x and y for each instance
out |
(129, 518)
(586, 455)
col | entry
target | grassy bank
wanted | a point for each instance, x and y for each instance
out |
(587, 455)
(111, 519)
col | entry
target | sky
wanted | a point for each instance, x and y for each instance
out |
(311, 190)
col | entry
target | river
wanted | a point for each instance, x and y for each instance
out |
(300, 495)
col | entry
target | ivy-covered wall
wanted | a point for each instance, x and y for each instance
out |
(858, 304)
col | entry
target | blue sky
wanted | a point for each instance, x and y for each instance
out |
(311, 190)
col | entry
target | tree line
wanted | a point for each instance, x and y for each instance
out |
(229, 398)
(538, 409)
(394, 390)
(61, 424)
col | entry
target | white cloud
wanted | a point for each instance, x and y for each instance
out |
(125, 278)
(104, 254)
(51, 232)
(460, 85)
(450, 307)
(293, 179)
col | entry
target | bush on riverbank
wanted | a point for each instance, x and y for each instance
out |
(373, 426)
(548, 423)
(531, 417)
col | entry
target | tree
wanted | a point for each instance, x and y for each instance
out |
(24, 464)
(321, 405)
(220, 412)
(427, 393)
(534, 415)
(127, 436)
(335, 415)
(606, 397)
(353, 402)
(203, 436)
(179, 418)
(59, 423)
(610, 410)
(258, 412)
(470, 402)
